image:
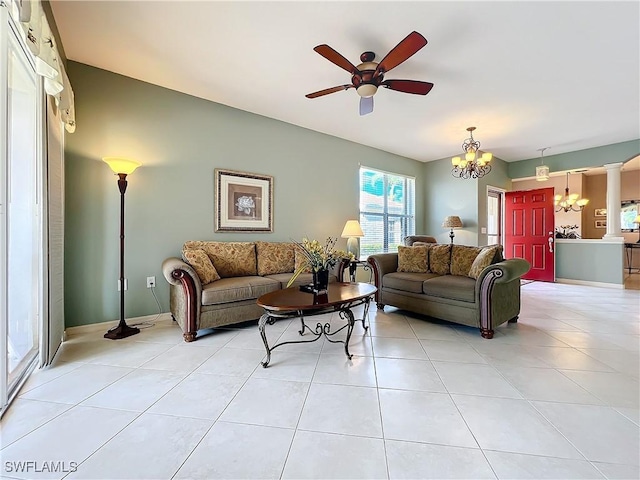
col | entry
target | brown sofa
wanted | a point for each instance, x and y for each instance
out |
(217, 283)
(486, 301)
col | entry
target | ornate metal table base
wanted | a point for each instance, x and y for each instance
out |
(344, 312)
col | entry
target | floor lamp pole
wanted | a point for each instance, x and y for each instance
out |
(122, 330)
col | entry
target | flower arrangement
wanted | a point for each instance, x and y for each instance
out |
(319, 257)
(567, 231)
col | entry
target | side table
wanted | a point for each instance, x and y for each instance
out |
(353, 266)
(628, 247)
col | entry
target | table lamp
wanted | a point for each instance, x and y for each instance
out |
(352, 231)
(452, 222)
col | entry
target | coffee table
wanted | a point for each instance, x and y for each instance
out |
(293, 303)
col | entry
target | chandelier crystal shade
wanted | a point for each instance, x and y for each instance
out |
(474, 163)
(569, 202)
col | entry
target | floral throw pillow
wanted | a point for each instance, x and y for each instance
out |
(231, 259)
(462, 258)
(440, 259)
(412, 259)
(275, 258)
(483, 260)
(201, 263)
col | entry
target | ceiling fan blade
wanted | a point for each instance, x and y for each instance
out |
(366, 105)
(398, 54)
(327, 91)
(334, 57)
(408, 86)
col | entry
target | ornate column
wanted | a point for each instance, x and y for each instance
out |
(613, 201)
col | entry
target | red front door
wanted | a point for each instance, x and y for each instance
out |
(529, 231)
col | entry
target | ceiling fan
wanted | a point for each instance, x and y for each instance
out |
(369, 75)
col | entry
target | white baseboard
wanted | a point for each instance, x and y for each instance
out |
(94, 327)
(590, 284)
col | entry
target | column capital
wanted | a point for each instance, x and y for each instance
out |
(613, 166)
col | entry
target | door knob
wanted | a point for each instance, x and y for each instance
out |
(550, 244)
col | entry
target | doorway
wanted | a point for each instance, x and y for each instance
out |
(495, 216)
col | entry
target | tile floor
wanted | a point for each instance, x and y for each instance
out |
(553, 396)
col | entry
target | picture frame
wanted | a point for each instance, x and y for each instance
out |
(600, 212)
(243, 201)
(601, 224)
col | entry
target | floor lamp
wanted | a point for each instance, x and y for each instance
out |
(121, 167)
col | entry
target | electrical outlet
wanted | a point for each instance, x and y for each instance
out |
(126, 284)
(151, 282)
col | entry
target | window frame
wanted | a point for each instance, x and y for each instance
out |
(407, 218)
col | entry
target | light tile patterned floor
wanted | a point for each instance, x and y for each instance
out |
(553, 396)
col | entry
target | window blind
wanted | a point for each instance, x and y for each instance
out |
(387, 210)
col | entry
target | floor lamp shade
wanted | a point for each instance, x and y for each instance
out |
(353, 231)
(452, 222)
(122, 167)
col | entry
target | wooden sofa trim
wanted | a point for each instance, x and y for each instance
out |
(190, 293)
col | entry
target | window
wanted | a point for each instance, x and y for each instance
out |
(387, 210)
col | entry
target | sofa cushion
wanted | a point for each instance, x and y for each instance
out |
(408, 282)
(235, 289)
(275, 258)
(455, 287)
(231, 259)
(462, 258)
(201, 263)
(440, 259)
(413, 259)
(485, 258)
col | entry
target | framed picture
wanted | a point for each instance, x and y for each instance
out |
(601, 224)
(600, 212)
(243, 202)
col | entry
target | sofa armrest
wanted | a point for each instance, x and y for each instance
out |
(498, 293)
(505, 271)
(382, 264)
(188, 289)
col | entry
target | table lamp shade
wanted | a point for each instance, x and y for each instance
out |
(121, 165)
(452, 222)
(352, 229)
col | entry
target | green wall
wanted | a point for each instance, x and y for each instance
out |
(180, 140)
(446, 195)
(591, 157)
(590, 261)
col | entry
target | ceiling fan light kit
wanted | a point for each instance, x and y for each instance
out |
(474, 163)
(369, 75)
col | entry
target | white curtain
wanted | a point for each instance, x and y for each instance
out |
(41, 42)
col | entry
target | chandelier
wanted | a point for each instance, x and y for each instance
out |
(474, 164)
(569, 202)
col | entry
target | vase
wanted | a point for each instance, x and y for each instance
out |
(320, 281)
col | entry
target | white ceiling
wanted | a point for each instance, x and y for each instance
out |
(564, 75)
